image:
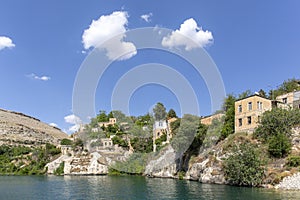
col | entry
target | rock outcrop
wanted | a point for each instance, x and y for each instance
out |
(20, 129)
(164, 165)
(205, 168)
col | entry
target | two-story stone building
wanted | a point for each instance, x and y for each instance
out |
(248, 112)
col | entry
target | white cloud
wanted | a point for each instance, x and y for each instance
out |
(41, 78)
(53, 124)
(146, 17)
(6, 42)
(189, 28)
(109, 32)
(73, 119)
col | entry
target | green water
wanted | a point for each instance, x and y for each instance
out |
(125, 187)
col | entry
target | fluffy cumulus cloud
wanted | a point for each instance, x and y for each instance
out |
(146, 17)
(41, 78)
(189, 35)
(6, 42)
(108, 33)
(73, 119)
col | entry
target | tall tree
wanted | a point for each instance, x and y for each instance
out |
(110, 115)
(228, 107)
(102, 117)
(262, 93)
(171, 113)
(159, 111)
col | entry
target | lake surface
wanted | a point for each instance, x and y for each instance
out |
(126, 187)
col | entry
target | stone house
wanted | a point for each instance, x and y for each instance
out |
(290, 100)
(248, 112)
(160, 128)
(207, 120)
(112, 121)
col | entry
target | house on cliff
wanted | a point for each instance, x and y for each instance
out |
(249, 110)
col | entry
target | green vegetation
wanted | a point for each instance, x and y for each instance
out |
(21, 160)
(159, 111)
(134, 165)
(171, 114)
(66, 141)
(228, 107)
(60, 169)
(244, 166)
(275, 130)
(293, 161)
(121, 142)
(279, 145)
(186, 133)
(287, 86)
(142, 145)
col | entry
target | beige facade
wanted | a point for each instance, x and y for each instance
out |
(111, 121)
(290, 100)
(208, 119)
(248, 112)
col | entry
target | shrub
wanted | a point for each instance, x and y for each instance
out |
(244, 166)
(279, 145)
(293, 161)
(66, 141)
(60, 169)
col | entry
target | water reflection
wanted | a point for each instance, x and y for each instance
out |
(126, 187)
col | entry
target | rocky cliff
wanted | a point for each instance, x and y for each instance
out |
(20, 129)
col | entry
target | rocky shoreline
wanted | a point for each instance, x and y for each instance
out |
(290, 183)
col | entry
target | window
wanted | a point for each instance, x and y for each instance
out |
(249, 120)
(259, 105)
(240, 108)
(284, 100)
(160, 123)
(240, 122)
(249, 105)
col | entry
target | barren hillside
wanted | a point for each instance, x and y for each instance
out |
(20, 129)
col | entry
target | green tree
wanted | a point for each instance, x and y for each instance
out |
(277, 121)
(110, 115)
(120, 116)
(171, 114)
(244, 166)
(228, 107)
(186, 133)
(287, 86)
(102, 117)
(159, 111)
(262, 93)
(245, 94)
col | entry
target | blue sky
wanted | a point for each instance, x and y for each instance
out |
(255, 45)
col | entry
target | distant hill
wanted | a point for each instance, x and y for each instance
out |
(20, 129)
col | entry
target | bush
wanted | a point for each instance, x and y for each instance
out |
(66, 141)
(293, 161)
(119, 141)
(244, 166)
(60, 169)
(279, 145)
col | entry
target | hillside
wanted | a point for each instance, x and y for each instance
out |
(20, 129)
